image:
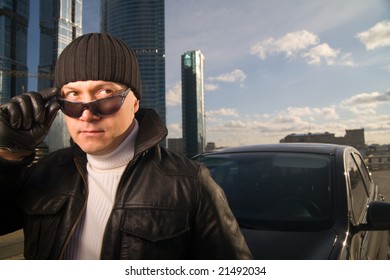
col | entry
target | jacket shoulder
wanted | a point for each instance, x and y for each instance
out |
(57, 162)
(176, 164)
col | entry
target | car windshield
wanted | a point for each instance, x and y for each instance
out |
(275, 190)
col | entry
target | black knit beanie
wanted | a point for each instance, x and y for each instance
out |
(98, 56)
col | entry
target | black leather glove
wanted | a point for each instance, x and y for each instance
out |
(25, 120)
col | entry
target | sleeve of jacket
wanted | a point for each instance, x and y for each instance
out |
(218, 235)
(10, 213)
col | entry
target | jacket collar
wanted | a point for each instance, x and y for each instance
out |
(151, 130)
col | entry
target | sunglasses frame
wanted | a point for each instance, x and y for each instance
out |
(92, 106)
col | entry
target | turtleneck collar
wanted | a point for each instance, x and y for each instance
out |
(120, 157)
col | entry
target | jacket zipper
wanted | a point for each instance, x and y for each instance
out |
(80, 214)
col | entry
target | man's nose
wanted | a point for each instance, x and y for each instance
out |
(88, 116)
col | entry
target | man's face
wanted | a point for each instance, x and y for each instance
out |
(99, 135)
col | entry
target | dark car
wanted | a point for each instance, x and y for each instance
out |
(303, 201)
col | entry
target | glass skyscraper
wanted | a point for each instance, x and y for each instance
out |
(192, 81)
(60, 23)
(141, 25)
(14, 18)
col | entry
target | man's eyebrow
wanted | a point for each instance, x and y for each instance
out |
(94, 87)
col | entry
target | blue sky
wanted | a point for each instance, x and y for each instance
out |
(278, 67)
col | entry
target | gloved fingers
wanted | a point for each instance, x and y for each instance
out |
(23, 110)
(39, 101)
(25, 105)
(37, 106)
(11, 113)
(50, 114)
(48, 93)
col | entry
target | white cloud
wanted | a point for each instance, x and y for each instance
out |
(304, 44)
(319, 52)
(173, 96)
(175, 130)
(367, 98)
(235, 76)
(365, 103)
(312, 113)
(211, 87)
(330, 113)
(291, 44)
(223, 112)
(377, 36)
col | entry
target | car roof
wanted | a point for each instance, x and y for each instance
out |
(319, 148)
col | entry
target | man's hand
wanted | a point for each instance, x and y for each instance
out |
(25, 120)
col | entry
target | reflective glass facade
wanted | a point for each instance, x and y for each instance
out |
(141, 25)
(14, 17)
(192, 81)
(60, 23)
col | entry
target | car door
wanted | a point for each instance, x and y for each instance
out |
(374, 243)
(359, 198)
(364, 244)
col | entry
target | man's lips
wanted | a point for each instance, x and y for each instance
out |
(91, 132)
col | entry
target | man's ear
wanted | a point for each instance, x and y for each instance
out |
(136, 105)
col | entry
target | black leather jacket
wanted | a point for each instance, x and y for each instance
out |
(167, 206)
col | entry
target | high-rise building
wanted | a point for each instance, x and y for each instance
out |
(141, 25)
(192, 81)
(60, 23)
(14, 18)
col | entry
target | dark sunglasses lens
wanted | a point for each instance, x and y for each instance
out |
(71, 109)
(107, 106)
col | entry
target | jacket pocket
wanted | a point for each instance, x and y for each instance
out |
(154, 233)
(42, 219)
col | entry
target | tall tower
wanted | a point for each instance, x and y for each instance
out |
(141, 25)
(60, 23)
(192, 81)
(14, 17)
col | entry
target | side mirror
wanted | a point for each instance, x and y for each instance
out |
(378, 216)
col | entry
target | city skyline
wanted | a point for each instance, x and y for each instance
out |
(280, 67)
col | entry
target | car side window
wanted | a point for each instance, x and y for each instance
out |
(363, 169)
(359, 193)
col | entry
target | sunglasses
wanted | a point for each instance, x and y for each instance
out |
(99, 107)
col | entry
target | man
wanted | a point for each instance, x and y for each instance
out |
(115, 194)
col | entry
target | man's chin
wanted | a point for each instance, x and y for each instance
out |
(93, 149)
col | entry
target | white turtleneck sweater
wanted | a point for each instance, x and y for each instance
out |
(104, 173)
